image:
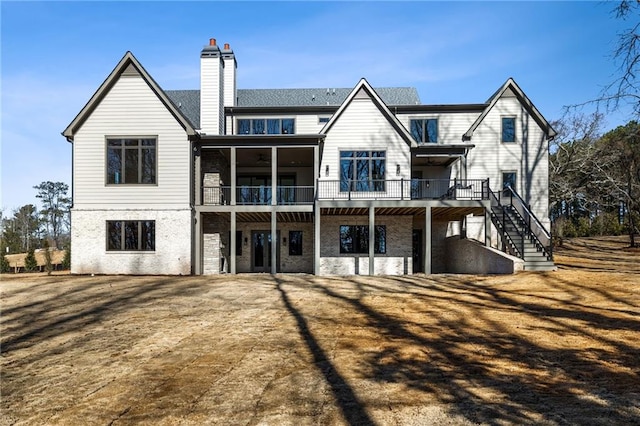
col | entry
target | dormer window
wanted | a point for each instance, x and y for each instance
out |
(424, 130)
(268, 126)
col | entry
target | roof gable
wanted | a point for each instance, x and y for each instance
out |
(363, 90)
(511, 89)
(128, 66)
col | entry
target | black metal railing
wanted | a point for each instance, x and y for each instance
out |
(404, 189)
(501, 219)
(257, 195)
(539, 234)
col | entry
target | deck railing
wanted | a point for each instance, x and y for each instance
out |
(257, 195)
(401, 189)
(413, 189)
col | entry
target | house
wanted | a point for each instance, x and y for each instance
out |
(326, 181)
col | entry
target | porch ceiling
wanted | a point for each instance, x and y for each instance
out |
(437, 213)
(280, 216)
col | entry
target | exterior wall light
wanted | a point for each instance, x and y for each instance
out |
(397, 169)
(326, 170)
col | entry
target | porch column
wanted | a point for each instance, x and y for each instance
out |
(372, 239)
(316, 240)
(316, 169)
(427, 240)
(274, 176)
(233, 244)
(197, 236)
(233, 175)
(198, 176)
(274, 243)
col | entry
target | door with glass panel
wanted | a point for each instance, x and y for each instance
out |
(261, 251)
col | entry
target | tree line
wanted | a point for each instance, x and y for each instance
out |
(594, 179)
(28, 228)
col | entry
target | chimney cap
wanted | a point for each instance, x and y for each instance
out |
(212, 42)
(210, 50)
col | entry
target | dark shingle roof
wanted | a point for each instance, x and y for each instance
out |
(320, 97)
(188, 101)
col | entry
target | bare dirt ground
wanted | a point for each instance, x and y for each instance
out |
(552, 348)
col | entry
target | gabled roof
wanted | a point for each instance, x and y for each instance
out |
(188, 102)
(363, 85)
(128, 65)
(511, 85)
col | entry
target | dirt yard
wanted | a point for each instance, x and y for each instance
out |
(557, 348)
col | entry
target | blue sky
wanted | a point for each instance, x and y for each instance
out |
(56, 54)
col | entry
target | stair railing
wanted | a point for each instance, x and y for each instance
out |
(501, 227)
(538, 233)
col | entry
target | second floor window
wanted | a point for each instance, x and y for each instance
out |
(131, 161)
(266, 126)
(362, 170)
(424, 130)
(508, 129)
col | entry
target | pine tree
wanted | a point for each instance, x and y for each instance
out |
(4, 264)
(30, 262)
(66, 260)
(48, 265)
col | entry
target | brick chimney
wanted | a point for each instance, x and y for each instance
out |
(230, 66)
(211, 89)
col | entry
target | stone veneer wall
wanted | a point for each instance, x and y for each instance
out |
(215, 244)
(396, 261)
(172, 255)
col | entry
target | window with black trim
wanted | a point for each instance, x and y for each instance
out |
(268, 126)
(362, 170)
(131, 161)
(131, 235)
(355, 239)
(508, 129)
(424, 130)
(323, 119)
(295, 243)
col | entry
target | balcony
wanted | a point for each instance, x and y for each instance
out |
(414, 189)
(258, 195)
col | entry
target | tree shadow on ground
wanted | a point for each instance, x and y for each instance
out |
(490, 353)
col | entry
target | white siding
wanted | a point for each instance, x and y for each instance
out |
(528, 156)
(131, 109)
(363, 127)
(211, 96)
(229, 82)
(451, 125)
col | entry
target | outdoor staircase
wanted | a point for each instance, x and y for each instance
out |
(518, 236)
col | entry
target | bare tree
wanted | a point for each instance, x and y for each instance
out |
(625, 88)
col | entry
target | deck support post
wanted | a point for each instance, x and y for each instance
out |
(274, 243)
(372, 239)
(233, 244)
(316, 240)
(427, 240)
(197, 235)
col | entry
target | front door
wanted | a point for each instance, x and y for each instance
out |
(261, 251)
(417, 251)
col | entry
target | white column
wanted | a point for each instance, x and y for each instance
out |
(233, 175)
(233, 244)
(427, 240)
(372, 239)
(274, 243)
